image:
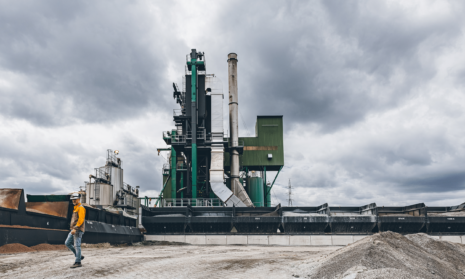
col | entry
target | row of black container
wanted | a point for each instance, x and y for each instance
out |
(49, 221)
(305, 220)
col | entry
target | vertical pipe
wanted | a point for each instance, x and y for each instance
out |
(207, 178)
(233, 120)
(265, 189)
(173, 170)
(194, 122)
(182, 186)
(236, 187)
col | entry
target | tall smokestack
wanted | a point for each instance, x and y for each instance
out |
(236, 186)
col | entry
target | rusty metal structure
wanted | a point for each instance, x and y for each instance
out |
(46, 219)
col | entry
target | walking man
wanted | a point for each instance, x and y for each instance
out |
(77, 228)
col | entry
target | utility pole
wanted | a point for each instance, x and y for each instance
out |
(289, 187)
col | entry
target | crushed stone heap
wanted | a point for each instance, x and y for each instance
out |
(390, 255)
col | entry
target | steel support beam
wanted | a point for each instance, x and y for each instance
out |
(275, 179)
(173, 170)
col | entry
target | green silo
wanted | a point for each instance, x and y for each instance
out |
(255, 190)
(268, 196)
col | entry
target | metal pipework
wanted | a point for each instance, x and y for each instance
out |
(236, 186)
(173, 169)
(194, 63)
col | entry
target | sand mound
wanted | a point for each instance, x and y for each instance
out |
(48, 247)
(20, 248)
(15, 248)
(97, 245)
(391, 255)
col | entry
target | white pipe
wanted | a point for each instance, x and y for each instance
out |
(217, 153)
(236, 186)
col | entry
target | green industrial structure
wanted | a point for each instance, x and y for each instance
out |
(205, 168)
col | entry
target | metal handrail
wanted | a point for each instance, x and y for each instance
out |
(200, 135)
(182, 166)
(178, 138)
(213, 202)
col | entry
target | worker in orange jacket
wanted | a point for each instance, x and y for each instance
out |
(77, 228)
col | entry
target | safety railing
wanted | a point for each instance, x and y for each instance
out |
(178, 138)
(181, 167)
(200, 135)
(191, 202)
(174, 138)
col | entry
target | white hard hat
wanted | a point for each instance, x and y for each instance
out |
(75, 196)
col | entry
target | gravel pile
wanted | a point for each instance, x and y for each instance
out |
(48, 247)
(97, 245)
(20, 248)
(390, 255)
(15, 248)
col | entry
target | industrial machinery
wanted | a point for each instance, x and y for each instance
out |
(216, 184)
(301, 220)
(107, 189)
(206, 168)
(35, 219)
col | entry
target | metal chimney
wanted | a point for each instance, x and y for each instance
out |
(236, 186)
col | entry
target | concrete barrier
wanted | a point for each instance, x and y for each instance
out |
(216, 239)
(321, 240)
(452, 238)
(283, 240)
(257, 240)
(299, 240)
(154, 237)
(175, 238)
(359, 237)
(236, 240)
(196, 239)
(342, 240)
(278, 240)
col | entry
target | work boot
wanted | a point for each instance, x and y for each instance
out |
(82, 257)
(76, 265)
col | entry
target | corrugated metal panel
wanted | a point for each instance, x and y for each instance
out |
(268, 140)
(58, 208)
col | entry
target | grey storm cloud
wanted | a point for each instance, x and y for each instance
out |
(81, 61)
(350, 78)
(331, 62)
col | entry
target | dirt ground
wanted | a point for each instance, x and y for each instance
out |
(164, 261)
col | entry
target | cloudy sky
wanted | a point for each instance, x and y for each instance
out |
(372, 92)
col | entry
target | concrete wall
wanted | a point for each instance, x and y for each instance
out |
(280, 240)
